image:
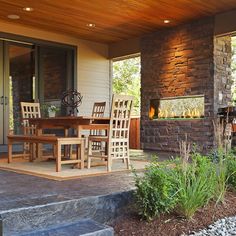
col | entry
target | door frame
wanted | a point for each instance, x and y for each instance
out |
(5, 39)
(42, 42)
(6, 90)
(2, 129)
(6, 81)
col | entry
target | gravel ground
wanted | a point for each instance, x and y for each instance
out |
(222, 227)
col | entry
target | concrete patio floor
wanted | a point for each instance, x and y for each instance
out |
(19, 189)
(29, 203)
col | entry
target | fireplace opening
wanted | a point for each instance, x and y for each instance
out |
(184, 107)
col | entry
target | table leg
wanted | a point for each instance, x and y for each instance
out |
(39, 146)
(58, 157)
(9, 151)
(32, 151)
(78, 130)
(82, 154)
(106, 144)
(67, 148)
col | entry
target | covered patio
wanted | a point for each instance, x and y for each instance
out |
(34, 205)
(50, 47)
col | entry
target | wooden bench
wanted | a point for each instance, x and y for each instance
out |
(56, 141)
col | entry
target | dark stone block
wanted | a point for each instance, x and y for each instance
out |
(85, 227)
(99, 208)
(184, 60)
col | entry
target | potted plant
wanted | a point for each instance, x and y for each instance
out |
(52, 109)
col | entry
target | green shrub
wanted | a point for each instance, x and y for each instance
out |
(221, 176)
(226, 171)
(156, 190)
(196, 184)
(185, 186)
(231, 169)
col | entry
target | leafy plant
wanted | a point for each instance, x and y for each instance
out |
(231, 169)
(53, 108)
(196, 184)
(156, 190)
(221, 175)
(46, 108)
(225, 170)
(185, 185)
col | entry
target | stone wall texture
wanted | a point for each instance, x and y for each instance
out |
(222, 71)
(54, 73)
(175, 62)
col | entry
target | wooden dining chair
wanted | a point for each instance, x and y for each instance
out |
(98, 111)
(117, 138)
(30, 110)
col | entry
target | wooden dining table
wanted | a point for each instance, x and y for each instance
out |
(77, 123)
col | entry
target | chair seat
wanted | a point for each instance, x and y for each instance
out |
(97, 155)
(97, 138)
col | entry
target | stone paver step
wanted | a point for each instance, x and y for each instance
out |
(36, 218)
(86, 227)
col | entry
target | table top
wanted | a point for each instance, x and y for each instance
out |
(71, 118)
(68, 121)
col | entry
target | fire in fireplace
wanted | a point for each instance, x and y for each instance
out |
(184, 107)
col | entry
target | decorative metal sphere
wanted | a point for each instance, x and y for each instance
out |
(72, 99)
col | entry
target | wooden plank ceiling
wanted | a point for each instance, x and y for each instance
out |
(115, 20)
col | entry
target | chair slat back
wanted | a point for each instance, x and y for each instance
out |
(119, 125)
(98, 109)
(29, 110)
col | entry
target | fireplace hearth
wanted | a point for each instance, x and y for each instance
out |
(182, 107)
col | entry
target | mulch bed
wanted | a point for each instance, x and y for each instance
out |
(131, 224)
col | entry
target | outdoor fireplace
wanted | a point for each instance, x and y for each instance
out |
(182, 107)
(183, 61)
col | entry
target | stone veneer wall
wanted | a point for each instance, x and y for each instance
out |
(178, 61)
(54, 73)
(222, 67)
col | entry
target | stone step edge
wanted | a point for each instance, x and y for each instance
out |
(99, 231)
(10, 222)
(131, 190)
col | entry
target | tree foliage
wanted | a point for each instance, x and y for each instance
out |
(126, 79)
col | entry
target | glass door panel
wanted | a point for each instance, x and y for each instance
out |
(1, 95)
(55, 75)
(19, 83)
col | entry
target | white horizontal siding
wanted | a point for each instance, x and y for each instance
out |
(94, 78)
(92, 64)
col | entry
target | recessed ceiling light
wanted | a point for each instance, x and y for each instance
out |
(91, 25)
(13, 17)
(166, 21)
(28, 8)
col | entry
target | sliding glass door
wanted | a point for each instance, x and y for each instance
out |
(2, 104)
(31, 72)
(17, 79)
